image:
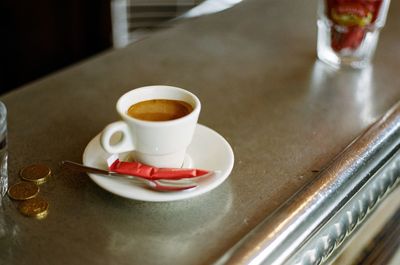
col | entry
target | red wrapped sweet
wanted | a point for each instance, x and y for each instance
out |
(154, 173)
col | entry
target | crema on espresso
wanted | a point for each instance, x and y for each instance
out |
(159, 110)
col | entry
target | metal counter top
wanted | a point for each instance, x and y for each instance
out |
(286, 116)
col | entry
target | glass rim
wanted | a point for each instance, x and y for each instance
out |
(3, 113)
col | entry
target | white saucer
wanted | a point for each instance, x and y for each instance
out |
(208, 150)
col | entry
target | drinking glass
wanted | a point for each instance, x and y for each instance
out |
(348, 31)
(3, 151)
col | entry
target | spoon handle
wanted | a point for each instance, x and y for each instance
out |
(86, 169)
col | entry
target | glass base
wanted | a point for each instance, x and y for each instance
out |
(3, 168)
(342, 56)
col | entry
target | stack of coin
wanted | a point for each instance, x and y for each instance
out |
(27, 191)
(23, 191)
(37, 173)
(36, 207)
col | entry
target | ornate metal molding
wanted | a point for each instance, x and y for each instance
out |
(340, 228)
(315, 222)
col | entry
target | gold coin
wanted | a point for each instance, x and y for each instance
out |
(37, 173)
(23, 191)
(36, 207)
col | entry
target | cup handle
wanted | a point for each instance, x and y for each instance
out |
(125, 144)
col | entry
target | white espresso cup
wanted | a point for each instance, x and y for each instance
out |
(156, 143)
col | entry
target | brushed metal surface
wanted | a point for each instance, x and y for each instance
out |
(253, 67)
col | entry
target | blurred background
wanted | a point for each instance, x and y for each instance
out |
(43, 36)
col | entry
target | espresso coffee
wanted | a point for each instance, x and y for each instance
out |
(159, 110)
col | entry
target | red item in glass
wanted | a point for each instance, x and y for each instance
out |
(351, 39)
(350, 19)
